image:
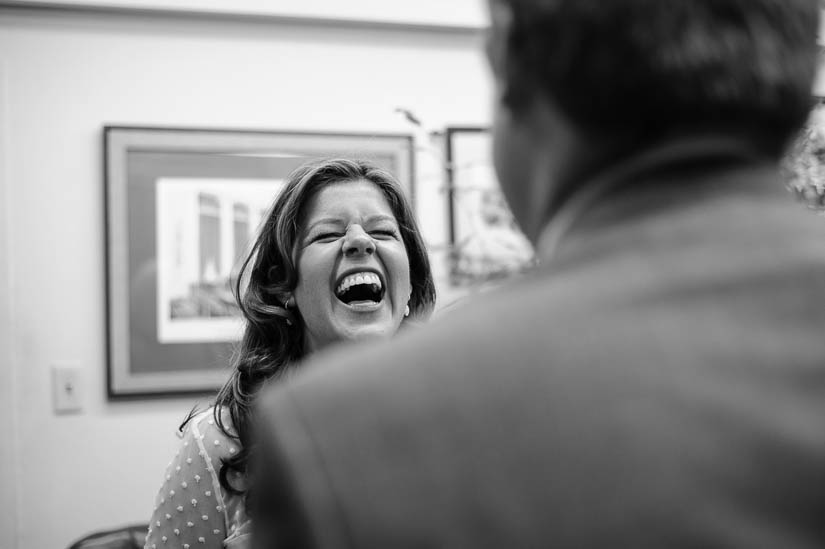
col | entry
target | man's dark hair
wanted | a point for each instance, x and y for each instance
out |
(662, 66)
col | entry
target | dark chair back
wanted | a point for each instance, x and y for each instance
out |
(126, 537)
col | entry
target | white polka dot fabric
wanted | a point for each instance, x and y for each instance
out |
(192, 511)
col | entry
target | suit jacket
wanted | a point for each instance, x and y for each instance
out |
(658, 382)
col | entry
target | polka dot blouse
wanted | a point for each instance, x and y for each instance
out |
(192, 510)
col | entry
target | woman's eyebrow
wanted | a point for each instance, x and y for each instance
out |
(381, 217)
(325, 221)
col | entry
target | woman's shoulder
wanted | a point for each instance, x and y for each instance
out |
(214, 433)
(212, 440)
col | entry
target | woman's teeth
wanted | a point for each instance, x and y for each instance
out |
(358, 278)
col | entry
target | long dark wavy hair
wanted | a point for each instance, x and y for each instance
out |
(273, 338)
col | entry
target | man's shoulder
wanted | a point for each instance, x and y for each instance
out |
(493, 319)
(473, 349)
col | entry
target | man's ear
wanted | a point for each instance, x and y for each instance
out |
(495, 47)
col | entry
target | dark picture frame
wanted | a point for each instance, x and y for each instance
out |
(182, 206)
(486, 245)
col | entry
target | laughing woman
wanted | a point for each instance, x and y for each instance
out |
(339, 258)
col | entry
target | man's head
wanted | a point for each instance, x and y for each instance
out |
(634, 72)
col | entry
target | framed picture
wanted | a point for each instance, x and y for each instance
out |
(486, 243)
(182, 209)
(803, 167)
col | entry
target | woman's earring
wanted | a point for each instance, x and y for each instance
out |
(407, 310)
(288, 305)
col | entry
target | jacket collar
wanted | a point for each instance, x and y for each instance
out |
(706, 153)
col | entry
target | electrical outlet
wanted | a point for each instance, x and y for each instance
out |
(66, 388)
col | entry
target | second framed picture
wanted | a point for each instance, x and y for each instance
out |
(486, 244)
(182, 207)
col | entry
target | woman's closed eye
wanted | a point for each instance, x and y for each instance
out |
(326, 237)
(384, 233)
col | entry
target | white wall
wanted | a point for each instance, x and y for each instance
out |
(62, 77)
(8, 408)
(455, 13)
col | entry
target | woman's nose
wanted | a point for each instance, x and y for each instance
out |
(358, 242)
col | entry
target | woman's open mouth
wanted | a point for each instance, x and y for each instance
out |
(361, 288)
